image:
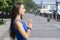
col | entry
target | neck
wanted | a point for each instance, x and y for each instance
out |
(18, 17)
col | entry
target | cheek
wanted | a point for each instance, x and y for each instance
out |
(21, 12)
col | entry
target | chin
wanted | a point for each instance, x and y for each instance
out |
(23, 14)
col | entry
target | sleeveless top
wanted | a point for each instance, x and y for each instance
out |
(18, 35)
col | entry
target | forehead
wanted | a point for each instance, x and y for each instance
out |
(22, 5)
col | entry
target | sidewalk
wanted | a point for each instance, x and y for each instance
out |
(5, 27)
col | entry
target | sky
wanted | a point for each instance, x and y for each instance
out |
(46, 2)
(39, 1)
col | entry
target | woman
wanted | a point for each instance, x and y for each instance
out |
(18, 28)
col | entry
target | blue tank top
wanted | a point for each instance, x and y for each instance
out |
(18, 35)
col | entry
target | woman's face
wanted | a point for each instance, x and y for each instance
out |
(22, 10)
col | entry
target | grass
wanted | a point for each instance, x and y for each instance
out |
(1, 23)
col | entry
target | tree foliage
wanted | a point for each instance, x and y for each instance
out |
(7, 4)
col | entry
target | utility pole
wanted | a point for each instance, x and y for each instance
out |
(56, 10)
(41, 3)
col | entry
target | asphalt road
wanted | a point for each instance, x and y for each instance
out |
(42, 30)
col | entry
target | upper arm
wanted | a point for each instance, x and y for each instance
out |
(21, 29)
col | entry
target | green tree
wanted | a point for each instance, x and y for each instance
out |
(7, 4)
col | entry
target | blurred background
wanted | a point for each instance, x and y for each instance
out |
(44, 13)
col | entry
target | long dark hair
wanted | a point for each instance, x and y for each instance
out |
(15, 11)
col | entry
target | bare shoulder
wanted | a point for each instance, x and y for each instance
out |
(18, 24)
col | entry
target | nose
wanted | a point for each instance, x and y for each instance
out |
(25, 10)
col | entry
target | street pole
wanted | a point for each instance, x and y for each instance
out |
(56, 9)
(2, 16)
(42, 5)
